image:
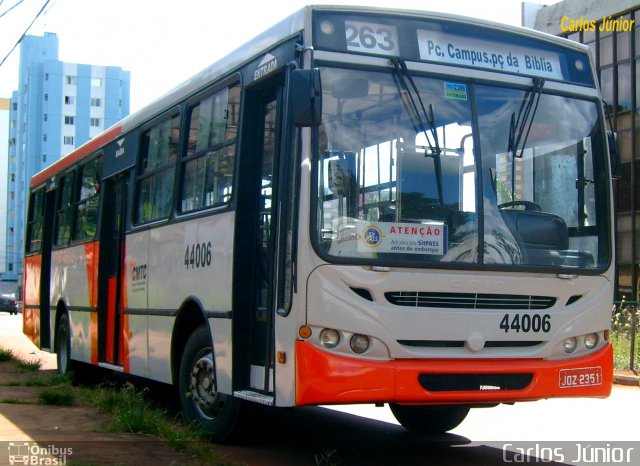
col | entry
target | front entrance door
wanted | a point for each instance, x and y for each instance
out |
(256, 242)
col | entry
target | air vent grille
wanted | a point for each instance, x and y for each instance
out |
(469, 300)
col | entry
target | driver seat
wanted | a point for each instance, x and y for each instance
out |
(540, 235)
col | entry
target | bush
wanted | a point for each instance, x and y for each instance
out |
(622, 334)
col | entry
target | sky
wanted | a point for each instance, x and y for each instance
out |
(165, 42)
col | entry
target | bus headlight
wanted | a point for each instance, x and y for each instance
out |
(329, 338)
(570, 344)
(359, 343)
(591, 340)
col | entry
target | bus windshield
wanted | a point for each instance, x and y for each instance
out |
(423, 170)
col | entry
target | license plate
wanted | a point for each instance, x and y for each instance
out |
(580, 377)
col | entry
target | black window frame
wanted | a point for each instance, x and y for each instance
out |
(143, 174)
(65, 211)
(89, 202)
(218, 150)
(35, 221)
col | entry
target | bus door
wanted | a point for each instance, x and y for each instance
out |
(45, 270)
(256, 242)
(110, 270)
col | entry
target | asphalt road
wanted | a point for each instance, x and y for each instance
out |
(572, 431)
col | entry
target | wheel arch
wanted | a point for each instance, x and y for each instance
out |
(190, 316)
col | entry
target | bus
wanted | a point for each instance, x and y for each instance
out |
(358, 206)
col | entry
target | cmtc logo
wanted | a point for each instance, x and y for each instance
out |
(372, 236)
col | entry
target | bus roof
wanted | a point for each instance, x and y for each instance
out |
(286, 28)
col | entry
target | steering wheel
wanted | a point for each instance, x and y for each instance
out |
(528, 205)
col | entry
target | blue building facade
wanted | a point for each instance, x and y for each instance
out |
(58, 106)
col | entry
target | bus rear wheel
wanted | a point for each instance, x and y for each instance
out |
(429, 419)
(214, 413)
(63, 345)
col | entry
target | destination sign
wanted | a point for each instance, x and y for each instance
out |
(453, 43)
(478, 53)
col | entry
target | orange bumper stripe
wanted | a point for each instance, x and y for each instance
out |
(325, 378)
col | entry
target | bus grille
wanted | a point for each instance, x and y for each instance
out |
(469, 300)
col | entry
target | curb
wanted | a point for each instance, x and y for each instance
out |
(629, 380)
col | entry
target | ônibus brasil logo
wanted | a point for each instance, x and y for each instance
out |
(32, 453)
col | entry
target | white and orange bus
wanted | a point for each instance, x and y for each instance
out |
(358, 206)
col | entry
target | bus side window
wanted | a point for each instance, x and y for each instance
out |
(87, 206)
(64, 215)
(156, 168)
(36, 217)
(209, 161)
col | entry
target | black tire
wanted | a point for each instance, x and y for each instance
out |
(429, 419)
(216, 414)
(63, 345)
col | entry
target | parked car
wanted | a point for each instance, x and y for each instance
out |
(8, 303)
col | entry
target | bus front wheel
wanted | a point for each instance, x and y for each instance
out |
(429, 419)
(212, 412)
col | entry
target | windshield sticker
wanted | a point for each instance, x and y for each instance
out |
(427, 238)
(458, 50)
(455, 91)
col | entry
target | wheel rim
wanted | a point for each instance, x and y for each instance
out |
(203, 386)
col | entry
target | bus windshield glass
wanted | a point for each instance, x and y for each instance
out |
(414, 170)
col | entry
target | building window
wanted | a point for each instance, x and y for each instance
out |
(68, 141)
(46, 97)
(624, 87)
(606, 87)
(46, 117)
(69, 120)
(71, 80)
(95, 102)
(96, 82)
(44, 138)
(95, 122)
(69, 100)
(44, 158)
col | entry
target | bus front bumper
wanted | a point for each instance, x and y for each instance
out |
(325, 378)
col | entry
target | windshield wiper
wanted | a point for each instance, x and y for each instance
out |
(521, 126)
(525, 117)
(419, 114)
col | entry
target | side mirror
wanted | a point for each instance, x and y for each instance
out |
(306, 97)
(614, 154)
